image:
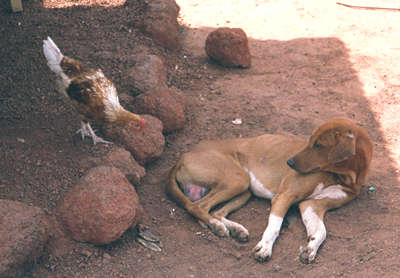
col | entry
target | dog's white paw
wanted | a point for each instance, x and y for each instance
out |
(307, 255)
(218, 228)
(262, 251)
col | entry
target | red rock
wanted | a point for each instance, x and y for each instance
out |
(160, 22)
(100, 207)
(126, 101)
(148, 73)
(24, 232)
(168, 105)
(229, 47)
(144, 145)
(123, 160)
(119, 158)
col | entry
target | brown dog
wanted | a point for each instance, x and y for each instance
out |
(325, 173)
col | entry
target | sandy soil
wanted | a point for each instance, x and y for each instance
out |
(312, 60)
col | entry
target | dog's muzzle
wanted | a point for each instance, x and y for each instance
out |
(291, 163)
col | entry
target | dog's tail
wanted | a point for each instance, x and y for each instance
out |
(174, 191)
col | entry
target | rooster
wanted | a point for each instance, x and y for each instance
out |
(90, 92)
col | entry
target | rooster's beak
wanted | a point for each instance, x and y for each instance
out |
(138, 123)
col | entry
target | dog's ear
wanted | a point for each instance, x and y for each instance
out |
(344, 149)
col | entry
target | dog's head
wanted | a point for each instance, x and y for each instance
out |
(332, 147)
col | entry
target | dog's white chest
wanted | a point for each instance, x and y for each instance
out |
(257, 188)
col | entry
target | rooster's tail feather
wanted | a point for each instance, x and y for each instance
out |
(53, 55)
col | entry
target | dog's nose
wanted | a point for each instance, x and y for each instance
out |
(291, 163)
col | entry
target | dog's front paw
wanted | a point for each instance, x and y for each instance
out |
(262, 252)
(307, 256)
(218, 228)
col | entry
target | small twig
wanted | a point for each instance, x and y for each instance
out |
(369, 7)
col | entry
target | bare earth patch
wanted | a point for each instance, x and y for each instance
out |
(311, 61)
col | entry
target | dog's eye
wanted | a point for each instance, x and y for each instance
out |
(317, 145)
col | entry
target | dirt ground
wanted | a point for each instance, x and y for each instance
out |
(311, 61)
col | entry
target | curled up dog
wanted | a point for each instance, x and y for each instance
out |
(324, 173)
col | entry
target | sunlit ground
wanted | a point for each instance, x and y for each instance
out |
(51, 4)
(373, 44)
(259, 19)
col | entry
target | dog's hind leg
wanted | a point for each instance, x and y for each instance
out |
(232, 205)
(312, 213)
(236, 230)
(234, 188)
(222, 177)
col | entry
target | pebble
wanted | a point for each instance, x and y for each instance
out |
(106, 257)
(276, 268)
(237, 255)
(86, 253)
(237, 121)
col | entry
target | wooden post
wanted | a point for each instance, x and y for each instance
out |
(16, 5)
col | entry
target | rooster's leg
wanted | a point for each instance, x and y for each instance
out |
(83, 130)
(86, 130)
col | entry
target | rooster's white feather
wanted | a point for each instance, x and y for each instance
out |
(53, 55)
